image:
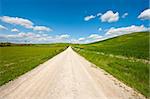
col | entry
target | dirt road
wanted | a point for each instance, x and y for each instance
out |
(67, 76)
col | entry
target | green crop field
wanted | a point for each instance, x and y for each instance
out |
(17, 60)
(131, 47)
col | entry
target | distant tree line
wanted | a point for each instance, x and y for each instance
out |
(4, 44)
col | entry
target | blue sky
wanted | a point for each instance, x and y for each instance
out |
(75, 21)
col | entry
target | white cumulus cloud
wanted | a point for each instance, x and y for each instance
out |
(145, 15)
(29, 34)
(31, 37)
(41, 28)
(23, 22)
(99, 29)
(81, 39)
(63, 36)
(3, 27)
(110, 16)
(99, 14)
(95, 36)
(87, 18)
(124, 15)
(14, 30)
(18, 21)
(124, 30)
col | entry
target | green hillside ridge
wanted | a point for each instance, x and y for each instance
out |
(130, 45)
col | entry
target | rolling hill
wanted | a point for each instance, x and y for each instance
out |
(130, 45)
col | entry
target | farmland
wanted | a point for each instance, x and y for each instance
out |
(17, 60)
(119, 56)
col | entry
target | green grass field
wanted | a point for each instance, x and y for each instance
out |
(17, 60)
(130, 45)
(133, 73)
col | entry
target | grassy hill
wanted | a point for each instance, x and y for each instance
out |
(130, 45)
(123, 58)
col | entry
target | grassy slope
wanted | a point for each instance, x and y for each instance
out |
(15, 61)
(135, 74)
(130, 45)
